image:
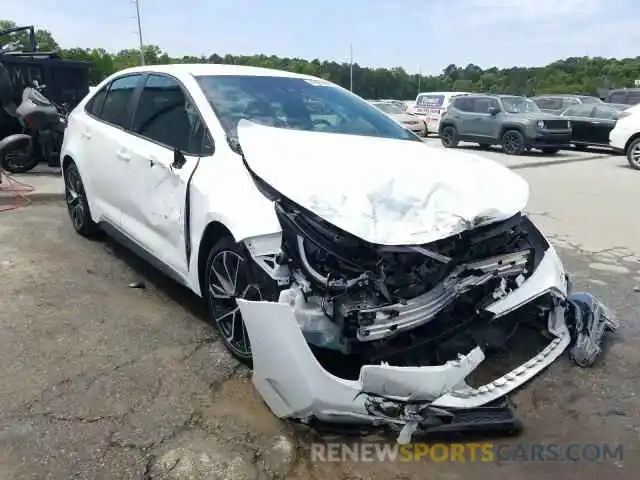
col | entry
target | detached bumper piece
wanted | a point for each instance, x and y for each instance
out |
(588, 320)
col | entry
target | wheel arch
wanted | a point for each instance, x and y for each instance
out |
(212, 233)
(512, 126)
(632, 139)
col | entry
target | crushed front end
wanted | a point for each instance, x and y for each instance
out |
(391, 335)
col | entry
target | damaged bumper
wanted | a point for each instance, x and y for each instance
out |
(295, 385)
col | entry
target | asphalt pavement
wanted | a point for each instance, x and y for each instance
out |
(104, 381)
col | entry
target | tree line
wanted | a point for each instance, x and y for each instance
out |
(585, 75)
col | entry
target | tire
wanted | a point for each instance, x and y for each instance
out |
(550, 151)
(449, 136)
(633, 154)
(484, 146)
(228, 261)
(513, 142)
(17, 158)
(77, 203)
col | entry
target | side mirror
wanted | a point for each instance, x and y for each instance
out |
(178, 160)
(494, 111)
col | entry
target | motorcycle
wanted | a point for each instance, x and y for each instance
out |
(43, 122)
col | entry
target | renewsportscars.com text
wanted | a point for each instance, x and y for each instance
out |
(467, 452)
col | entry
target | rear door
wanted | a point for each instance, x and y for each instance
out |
(166, 125)
(104, 135)
(581, 120)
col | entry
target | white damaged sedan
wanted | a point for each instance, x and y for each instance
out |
(362, 274)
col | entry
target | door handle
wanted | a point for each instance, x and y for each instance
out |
(124, 156)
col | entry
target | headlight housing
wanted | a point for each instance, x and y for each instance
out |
(540, 124)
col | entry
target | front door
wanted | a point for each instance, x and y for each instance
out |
(166, 143)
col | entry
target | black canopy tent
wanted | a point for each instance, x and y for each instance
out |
(66, 81)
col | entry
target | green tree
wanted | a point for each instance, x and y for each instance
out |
(586, 75)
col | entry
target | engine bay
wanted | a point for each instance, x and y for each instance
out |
(370, 301)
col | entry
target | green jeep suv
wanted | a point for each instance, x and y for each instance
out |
(516, 123)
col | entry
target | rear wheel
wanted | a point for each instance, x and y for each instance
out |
(550, 151)
(513, 142)
(18, 157)
(77, 203)
(230, 275)
(633, 154)
(449, 136)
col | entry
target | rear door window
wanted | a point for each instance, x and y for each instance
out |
(464, 104)
(117, 105)
(94, 106)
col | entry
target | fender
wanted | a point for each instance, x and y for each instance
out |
(11, 140)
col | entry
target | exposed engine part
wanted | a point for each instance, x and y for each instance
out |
(361, 292)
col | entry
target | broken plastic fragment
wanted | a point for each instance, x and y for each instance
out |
(406, 434)
(590, 320)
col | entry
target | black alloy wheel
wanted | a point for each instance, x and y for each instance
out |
(513, 142)
(449, 137)
(77, 204)
(230, 276)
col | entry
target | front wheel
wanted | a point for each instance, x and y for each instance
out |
(633, 154)
(230, 275)
(449, 137)
(18, 157)
(513, 142)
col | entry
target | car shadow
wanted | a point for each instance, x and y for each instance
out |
(149, 275)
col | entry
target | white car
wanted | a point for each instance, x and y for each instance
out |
(432, 106)
(625, 135)
(334, 234)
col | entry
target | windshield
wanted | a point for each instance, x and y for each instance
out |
(297, 104)
(390, 108)
(588, 99)
(519, 105)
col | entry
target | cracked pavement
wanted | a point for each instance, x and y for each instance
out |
(103, 381)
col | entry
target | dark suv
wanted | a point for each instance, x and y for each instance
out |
(516, 123)
(556, 103)
(627, 96)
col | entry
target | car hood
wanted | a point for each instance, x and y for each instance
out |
(384, 191)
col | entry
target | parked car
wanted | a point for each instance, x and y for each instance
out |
(628, 96)
(592, 123)
(431, 106)
(557, 103)
(407, 120)
(344, 235)
(625, 135)
(516, 123)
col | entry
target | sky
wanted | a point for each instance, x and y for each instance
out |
(418, 35)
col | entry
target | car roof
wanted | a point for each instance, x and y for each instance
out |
(575, 95)
(197, 69)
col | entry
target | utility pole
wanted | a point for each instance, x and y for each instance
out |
(351, 67)
(137, 2)
(419, 78)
